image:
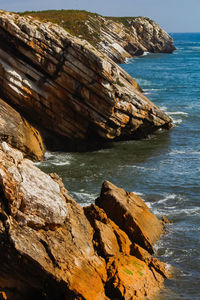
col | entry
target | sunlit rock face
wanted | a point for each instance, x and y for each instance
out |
(52, 248)
(122, 38)
(16, 131)
(76, 95)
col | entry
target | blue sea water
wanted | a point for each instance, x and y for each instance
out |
(163, 169)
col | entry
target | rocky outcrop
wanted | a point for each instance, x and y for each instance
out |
(52, 248)
(77, 96)
(118, 37)
(16, 131)
(131, 214)
(122, 38)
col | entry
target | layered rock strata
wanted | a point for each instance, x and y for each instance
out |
(122, 38)
(75, 95)
(52, 248)
(118, 37)
(16, 131)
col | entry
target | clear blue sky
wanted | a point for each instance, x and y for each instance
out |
(172, 15)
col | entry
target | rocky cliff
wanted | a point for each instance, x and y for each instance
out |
(16, 131)
(118, 37)
(75, 95)
(51, 248)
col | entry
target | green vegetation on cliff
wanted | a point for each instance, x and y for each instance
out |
(75, 22)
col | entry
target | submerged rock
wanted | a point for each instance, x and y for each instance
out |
(76, 95)
(52, 248)
(16, 131)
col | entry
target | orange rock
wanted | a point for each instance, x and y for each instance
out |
(109, 239)
(3, 296)
(131, 278)
(131, 214)
(50, 247)
(16, 131)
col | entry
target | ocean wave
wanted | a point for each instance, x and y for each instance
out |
(138, 194)
(84, 198)
(55, 159)
(129, 60)
(177, 113)
(177, 121)
(189, 151)
(48, 155)
(60, 163)
(143, 82)
(158, 89)
(164, 108)
(166, 198)
(145, 53)
(173, 211)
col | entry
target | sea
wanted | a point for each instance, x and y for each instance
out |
(163, 169)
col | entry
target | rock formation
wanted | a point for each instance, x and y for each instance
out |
(16, 131)
(52, 248)
(118, 37)
(122, 38)
(75, 94)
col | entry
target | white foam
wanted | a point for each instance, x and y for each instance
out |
(145, 53)
(185, 211)
(84, 198)
(164, 108)
(177, 113)
(138, 194)
(65, 163)
(174, 152)
(168, 197)
(148, 204)
(48, 155)
(177, 121)
(128, 60)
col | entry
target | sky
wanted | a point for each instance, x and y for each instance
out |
(172, 15)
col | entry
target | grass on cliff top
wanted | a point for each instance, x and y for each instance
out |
(73, 21)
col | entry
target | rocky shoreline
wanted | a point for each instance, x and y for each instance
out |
(59, 92)
(52, 248)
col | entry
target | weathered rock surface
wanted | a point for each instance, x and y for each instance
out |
(118, 37)
(76, 95)
(52, 248)
(129, 37)
(131, 214)
(16, 131)
(45, 238)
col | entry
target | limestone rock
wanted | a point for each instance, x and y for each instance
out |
(109, 239)
(132, 272)
(128, 37)
(49, 252)
(77, 96)
(16, 131)
(51, 248)
(131, 214)
(118, 37)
